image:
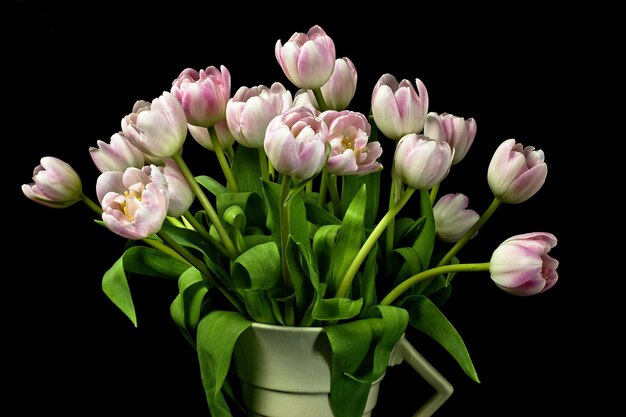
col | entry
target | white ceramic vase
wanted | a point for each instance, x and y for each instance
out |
(285, 372)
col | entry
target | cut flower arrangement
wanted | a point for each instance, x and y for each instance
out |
(295, 230)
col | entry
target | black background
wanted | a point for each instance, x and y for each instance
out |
(550, 79)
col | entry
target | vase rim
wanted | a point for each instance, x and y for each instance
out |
(294, 329)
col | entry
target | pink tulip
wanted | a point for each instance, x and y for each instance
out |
(134, 202)
(452, 217)
(307, 59)
(397, 108)
(180, 194)
(250, 110)
(521, 264)
(117, 155)
(516, 172)
(455, 130)
(55, 185)
(421, 162)
(203, 94)
(159, 128)
(295, 143)
(339, 90)
(302, 98)
(350, 152)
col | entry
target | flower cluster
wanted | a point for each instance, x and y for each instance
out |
(292, 235)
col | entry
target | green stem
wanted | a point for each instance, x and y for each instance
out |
(334, 196)
(390, 232)
(204, 270)
(157, 244)
(91, 204)
(470, 233)
(230, 180)
(433, 194)
(263, 163)
(206, 204)
(323, 189)
(290, 317)
(346, 282)
(430, 273)
(204, 233)
(321, 103)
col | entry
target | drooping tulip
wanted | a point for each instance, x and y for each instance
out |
(295, 143)
(56, 184)
(521, 264)
(452, 217)
(307, 59)
(398, 108)
(516, 172)
(203, 94)
(134, 202)
(117, 155)
(159, 128)
(421, 162)
(350, 152)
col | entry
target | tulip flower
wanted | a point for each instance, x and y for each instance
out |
(397, 108)
(134, 202)
(452, 217)
(516, 172)
(201, 135)
(179, 191)
(117, 155)
(307, 59)
(159, 128)
(295, 143)
(55, 185)
(302, 98)
(339, 90)
(250, 110)
(521, 264)
(203, 94)
(350, 152)
(455, 130)
(421, 162)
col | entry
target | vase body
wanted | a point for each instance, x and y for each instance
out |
(285, 372)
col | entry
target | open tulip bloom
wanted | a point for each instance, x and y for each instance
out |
(293, 231)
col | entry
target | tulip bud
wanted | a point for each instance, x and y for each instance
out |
(452, 217)
(55, 185)
(340, 88)
(397, 108)
(421, 162)
(457, 131)
(515, 172)
(307, 59)
(117, 155)
(203, 94)
(250, 110)
(521, 264)
(159, 128)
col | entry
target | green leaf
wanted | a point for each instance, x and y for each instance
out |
(323, 246)
(425, 242)
(247, 169)
(251, 203)
(349, 240)
(352, 184)
(336, 308)
(258, 268)
(217, 334)
(187, 306)
(212, 185)
(141, 260)
(301, 267)
(317, 215)
(360, 351)
(425, 316)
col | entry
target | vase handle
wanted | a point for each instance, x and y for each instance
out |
(443, 389)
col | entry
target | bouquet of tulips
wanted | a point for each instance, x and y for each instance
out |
(290, 230)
